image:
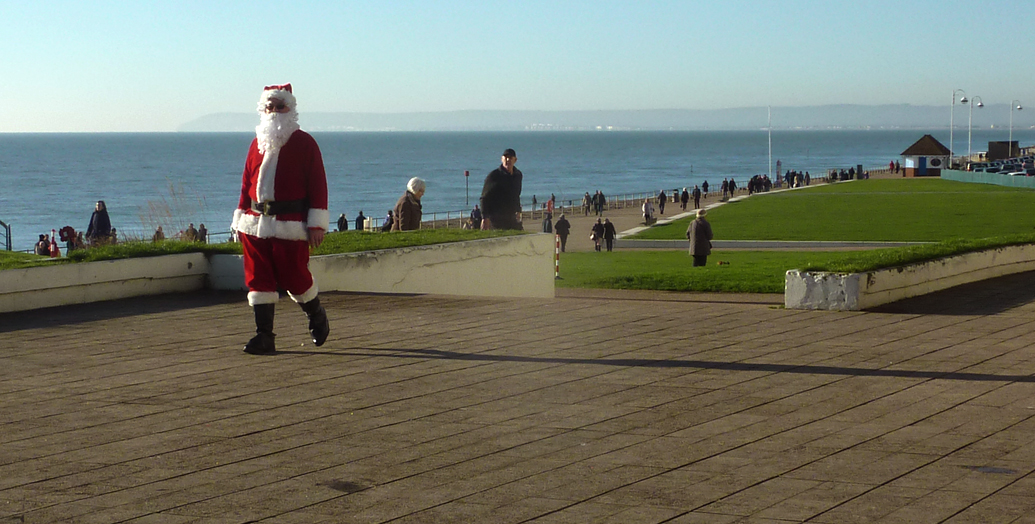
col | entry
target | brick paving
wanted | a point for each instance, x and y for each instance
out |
(603, 407)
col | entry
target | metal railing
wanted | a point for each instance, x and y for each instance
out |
(5, 230)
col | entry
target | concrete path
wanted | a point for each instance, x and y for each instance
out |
(606, 407)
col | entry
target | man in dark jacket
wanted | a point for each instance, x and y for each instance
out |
(360, 219)
(408, 208)
(563, 229)
(700, 235)
(609, 234)
(501, 195)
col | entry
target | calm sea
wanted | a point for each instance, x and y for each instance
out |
(48, 181)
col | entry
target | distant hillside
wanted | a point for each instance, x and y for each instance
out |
(845, 116)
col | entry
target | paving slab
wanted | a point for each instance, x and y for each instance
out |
(596, 406)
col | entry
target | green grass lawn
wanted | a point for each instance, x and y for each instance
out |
(903, 210)
(747, 271)
(338, 242)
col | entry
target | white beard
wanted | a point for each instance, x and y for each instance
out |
(275, 129)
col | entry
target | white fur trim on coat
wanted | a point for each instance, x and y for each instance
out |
(264, 226)
(264, 183)
(319, 218)
(262, 297)
(307, 296)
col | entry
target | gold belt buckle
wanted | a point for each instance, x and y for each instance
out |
(266, 207)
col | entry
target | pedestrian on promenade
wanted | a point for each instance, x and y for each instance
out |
(700, 236)
(563, 229)
(648, 212)
(697, 197)
(99, 230)
(684, 199)
(597, 235)
(725, 188)
(158, 236)
(42, 247)
(733, 187)
(408, 208)
(547, 223)
(662, 198)
(202, 234)
(343, 223)
(281, 215)
(609, 234)
(386, 226)
(704, 188)
(501, 195)
(360, 221)
(587, 202)
(191, 234)
(476, 217)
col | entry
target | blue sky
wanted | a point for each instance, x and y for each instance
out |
(151, 66)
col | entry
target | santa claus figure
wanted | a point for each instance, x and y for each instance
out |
(281, 214)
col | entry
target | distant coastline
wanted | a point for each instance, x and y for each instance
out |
(806, 118)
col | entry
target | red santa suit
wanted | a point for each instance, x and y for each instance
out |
(276, 248)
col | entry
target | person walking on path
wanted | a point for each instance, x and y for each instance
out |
(697, 197)
(725, 188)
(587, 202)
(42, 247)
(597, 235)
(700, 236)
(704, 188)
(733, 187)
(648, 212)
(563, 229)
(360, 221)
(343, 223)
(501, 195)
(99, 230)
(281, 215)
(476, 217)
(408, 209)
(684, 199)
(609, 234)
(662, 198)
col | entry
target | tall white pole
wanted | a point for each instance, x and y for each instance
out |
(770, 111)
(952, 113)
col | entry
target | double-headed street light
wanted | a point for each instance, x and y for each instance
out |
(952, 113)
(970, 122)
(1013, 103)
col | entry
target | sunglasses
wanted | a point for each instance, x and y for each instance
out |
(278, 107)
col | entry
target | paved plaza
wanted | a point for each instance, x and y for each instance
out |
(603, 407)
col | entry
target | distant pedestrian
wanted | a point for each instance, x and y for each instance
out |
(563, 229)
(388, 222)
(191, 234)
(648, 212)
(343, 223)
(587, 202)
(203, 234)
(360, 221)
(42, 247)
(476, 217)
(609, 234)
(725, 188)
(662, 198)
(597, 235)
(733, 187)
(547, 223)
(99, 230)
(700, 236)
(697, 197)
(158, 236)
(704, 188)
(684, 199)
(501, 195)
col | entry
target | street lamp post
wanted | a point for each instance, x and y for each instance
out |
(970, 123)
(952, 114)
(1010, 143)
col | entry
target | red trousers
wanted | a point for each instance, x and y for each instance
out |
(270, 263)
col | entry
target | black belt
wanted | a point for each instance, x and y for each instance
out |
(279, 207)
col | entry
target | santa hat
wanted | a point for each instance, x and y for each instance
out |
(280, 92)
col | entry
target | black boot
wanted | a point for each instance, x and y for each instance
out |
(319, 327)
(262, 343)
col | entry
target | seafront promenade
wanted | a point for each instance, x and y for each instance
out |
(614, 407)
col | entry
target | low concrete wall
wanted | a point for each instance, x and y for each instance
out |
(989, 178)
(34, 288)
(860, 291)
(515, 266)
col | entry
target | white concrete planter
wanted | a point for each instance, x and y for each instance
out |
(515, 266)
(858, 291)
(34, 288)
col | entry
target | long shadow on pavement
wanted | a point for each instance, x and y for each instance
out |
(987, 297)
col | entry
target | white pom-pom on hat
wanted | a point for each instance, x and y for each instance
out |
(280, 92)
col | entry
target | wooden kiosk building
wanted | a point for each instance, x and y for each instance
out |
(926, 157)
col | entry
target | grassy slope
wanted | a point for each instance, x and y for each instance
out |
(871, 210)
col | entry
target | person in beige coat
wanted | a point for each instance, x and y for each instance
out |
(700, 235)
